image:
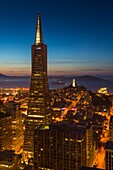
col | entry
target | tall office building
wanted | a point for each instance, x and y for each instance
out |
(109, 155)
(59, 146)
(39, 100)
(89, 141)
(111, 129)
(5, 131)
(17, 126)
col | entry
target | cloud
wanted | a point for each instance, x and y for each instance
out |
(97, 69)
(92, 69)
(67, 62)
(20, 71)
(6, 63)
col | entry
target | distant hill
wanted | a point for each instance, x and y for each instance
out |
(89, 78)
(5, 77)
(90, 82)
(78, 78)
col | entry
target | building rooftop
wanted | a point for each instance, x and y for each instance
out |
(85, 123)
(7, 155)
(68, 127)
(3, 115)
(63, 127)
(109, 145)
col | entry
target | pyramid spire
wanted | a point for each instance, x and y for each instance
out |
(39, 36)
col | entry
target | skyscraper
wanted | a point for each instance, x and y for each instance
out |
(59, 146)
(111, 129)
(5, 131)
(39, 100)
(89, 141)
(109, 155)
(13, 108)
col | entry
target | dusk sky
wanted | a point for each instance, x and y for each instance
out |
(78, 33)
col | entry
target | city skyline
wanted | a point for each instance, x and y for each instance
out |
(79, 36)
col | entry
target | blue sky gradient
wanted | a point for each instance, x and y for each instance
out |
(79, 35)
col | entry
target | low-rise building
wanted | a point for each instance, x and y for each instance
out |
(8, 160)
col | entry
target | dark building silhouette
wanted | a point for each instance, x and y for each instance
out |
(109, 155)
(111, 129)
(59, 146)
(8, 160)
(39, 100)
